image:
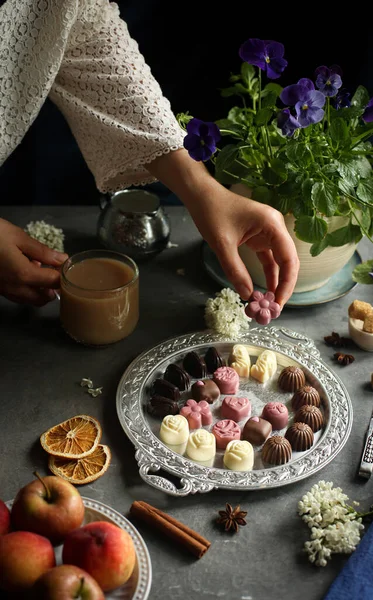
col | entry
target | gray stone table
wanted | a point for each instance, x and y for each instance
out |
(40, 371)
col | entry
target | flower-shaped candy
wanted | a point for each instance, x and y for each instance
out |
(197, 413)
(174, 430)
(201, 445)
(263, 308)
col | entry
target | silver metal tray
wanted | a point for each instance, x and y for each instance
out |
(291, 348)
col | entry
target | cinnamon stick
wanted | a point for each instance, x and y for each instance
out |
(181, 534)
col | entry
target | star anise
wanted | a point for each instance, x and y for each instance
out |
(231, 518)
(336, 340)
(344, 359)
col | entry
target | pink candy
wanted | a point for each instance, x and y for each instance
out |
(277, 414)
(263, 308)
(235, 408)
(225, 431)
(197, 413)
(227, 380)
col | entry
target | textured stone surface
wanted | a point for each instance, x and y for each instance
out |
(40, 371)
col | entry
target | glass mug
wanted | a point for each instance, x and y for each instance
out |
(99, 297)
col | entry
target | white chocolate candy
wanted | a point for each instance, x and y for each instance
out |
(265, 366)
(174, 430)
(240, 360)
(239, 456)
(201, 445)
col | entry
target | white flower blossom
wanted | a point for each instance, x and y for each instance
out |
(46, 234)
(225, 313)
(335, 526)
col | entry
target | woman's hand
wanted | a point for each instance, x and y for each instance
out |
(21, 277)
(227, 220)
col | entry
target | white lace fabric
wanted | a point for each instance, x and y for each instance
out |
(81, 54)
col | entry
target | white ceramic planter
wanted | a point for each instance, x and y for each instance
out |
(314, 272)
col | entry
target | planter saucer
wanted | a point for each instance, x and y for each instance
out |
(339, 285)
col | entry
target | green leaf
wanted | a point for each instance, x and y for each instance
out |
(299, 153)
(269, 100)
(264, 195)
(365, 217)
(365, 190)
(224, 162)
(324, 198)
(360, 274)
(310, 229)
(360, 97)
(247, 73)
(319, 247)
(227, 127)
(239, 115)
(272, 88)
(275, 173)
(339, 131)
(307, 186)
(263, 116)
(344, 235)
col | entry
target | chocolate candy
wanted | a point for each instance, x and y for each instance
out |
(256, 431)
(205, 390)
(240, 361)
(160, 406)
(201, 445)
(277, 414)
(195, 365)
(291, 379)
(176, 375)
(225, 431)
(276, 450)
(197, 413)
(213, 360)
(305, 395)
(265, 366)
(165, 388)
(300, 436)
(239, 456)
(311, 415)
(227, 380)
(174, 430)
(235, 408)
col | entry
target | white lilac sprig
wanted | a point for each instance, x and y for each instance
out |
(47, 234)
(225, 313)
(335, 526)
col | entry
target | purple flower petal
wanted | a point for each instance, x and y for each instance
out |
(201, 139)
(330, 86)
(287, 123)
(253, 52)
(336, 69)
(368, 113)
(274, 49)
(194, 126)
(308, 114)
(275, 67)
(294, 93)
(323, 71)
(307, 83)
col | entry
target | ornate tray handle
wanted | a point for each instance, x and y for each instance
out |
(188, 486)
(303, 342)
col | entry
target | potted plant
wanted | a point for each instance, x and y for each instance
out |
(303, 149)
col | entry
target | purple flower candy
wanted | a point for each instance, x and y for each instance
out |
(368, 113)
(287, 123)
(266, 55)
(201, 139)
(328, 79)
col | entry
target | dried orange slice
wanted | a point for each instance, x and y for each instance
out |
(75, 438)
(81, 470)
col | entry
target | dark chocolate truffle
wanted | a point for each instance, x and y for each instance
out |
(165, 388)
(305, 395)
(256, 430)
(159, 406)
(195, 365)
(291, 379)
(300, 436)
(276, 450)
(205, 390)
(311, 415)
(177, 376)
(213, 360)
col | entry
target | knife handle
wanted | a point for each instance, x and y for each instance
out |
(366, 464)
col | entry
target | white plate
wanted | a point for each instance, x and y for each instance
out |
(138, 586)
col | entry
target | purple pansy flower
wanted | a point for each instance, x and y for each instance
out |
(368, 113)
(266, 55)
(297, 92)
(328, 79)
(287, 123)
(310, 109)
(201, 139)
(342, 99)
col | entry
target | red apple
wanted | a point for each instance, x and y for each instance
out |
(49, 506)
(104, 550)
(24, 557)
(4, 518)
(65, 582)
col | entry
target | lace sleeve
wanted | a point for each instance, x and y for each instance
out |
(113, 104)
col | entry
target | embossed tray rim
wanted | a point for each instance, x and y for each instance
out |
(152, 455)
